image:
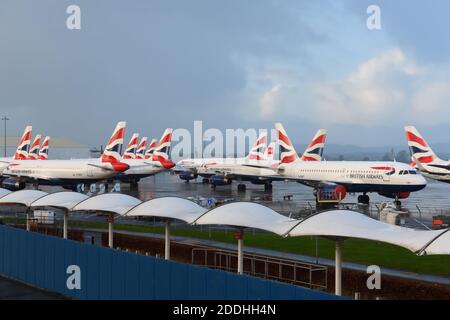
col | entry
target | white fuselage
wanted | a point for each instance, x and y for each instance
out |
(356, 176)
(60, 171)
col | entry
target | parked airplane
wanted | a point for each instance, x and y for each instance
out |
(141, 168)
(130, 151)
(387, 178)
(68, 172)
(261, 170)
(141, 149)
(423, 157)
(190, 169)
(33, 154)
(43, 152)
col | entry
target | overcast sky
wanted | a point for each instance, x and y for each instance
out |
(230, 63)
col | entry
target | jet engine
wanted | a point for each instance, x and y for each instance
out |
(188, 175)
(393, 195)
(219, 180)
(13, 184)
(330, 193)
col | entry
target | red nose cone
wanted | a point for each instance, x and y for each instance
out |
(120, 166)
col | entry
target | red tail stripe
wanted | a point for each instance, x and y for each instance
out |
(283, 138)
(307, 158)
(288, 159)
(426, 159)
(320, 139)
(117, 135)
(412, 137)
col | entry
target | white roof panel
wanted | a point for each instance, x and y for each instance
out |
(23, 197)
(169, 207)
(351, 224)
(108, 202)
(248, 215)
(64, 199)
(4, 192)
(440, 245)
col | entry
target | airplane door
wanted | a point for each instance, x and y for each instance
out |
(386, 176)
(90, 171)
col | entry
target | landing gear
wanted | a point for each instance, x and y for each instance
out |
(364, 199)
(205, 180)
(398, 203)
(241, 187)
(268, 187)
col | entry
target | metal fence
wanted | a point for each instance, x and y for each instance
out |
(286, 270)
(55, 264)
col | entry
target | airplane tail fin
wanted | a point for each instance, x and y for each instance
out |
(288, 154)
(140, 151)
(33, 154)
(43, 152)
(269, 153)
(162, 151)
(256, 152)
(151, 148)
(419, 148)
(130, 151)
(314, 150)
(113, 148)
(24, 145)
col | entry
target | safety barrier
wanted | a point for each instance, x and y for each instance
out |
(87, 271)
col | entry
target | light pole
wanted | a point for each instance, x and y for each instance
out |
(5, 118)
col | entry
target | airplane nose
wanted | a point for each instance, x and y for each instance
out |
(120, 166)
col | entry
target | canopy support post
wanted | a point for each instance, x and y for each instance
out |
(110, 231)
(65, 223)
(241, 252)
(167, 241)
(28, 221)
(338, 268)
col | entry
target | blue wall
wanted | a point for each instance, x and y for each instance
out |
(42, 261)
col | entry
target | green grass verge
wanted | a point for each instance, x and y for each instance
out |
(354, 250)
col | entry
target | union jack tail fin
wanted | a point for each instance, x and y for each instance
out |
(269, 153)
(256, 152)
(140, 152)
(419, 148)
(162, 151)
(130, 151)
(43, 152)
(288, 154)
(114, 147)
(314, 150)
(24, 145)
(33, 154)
(151, 148)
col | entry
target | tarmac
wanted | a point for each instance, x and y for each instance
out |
(14, 290)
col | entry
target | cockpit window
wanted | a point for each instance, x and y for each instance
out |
(401, 172)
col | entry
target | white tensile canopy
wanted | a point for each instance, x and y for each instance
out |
(168, 207)
(109, 203)
(115, 203)
(63, 199)
(4, 192)
(351, 224)
(22, 197)
(248, 215)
